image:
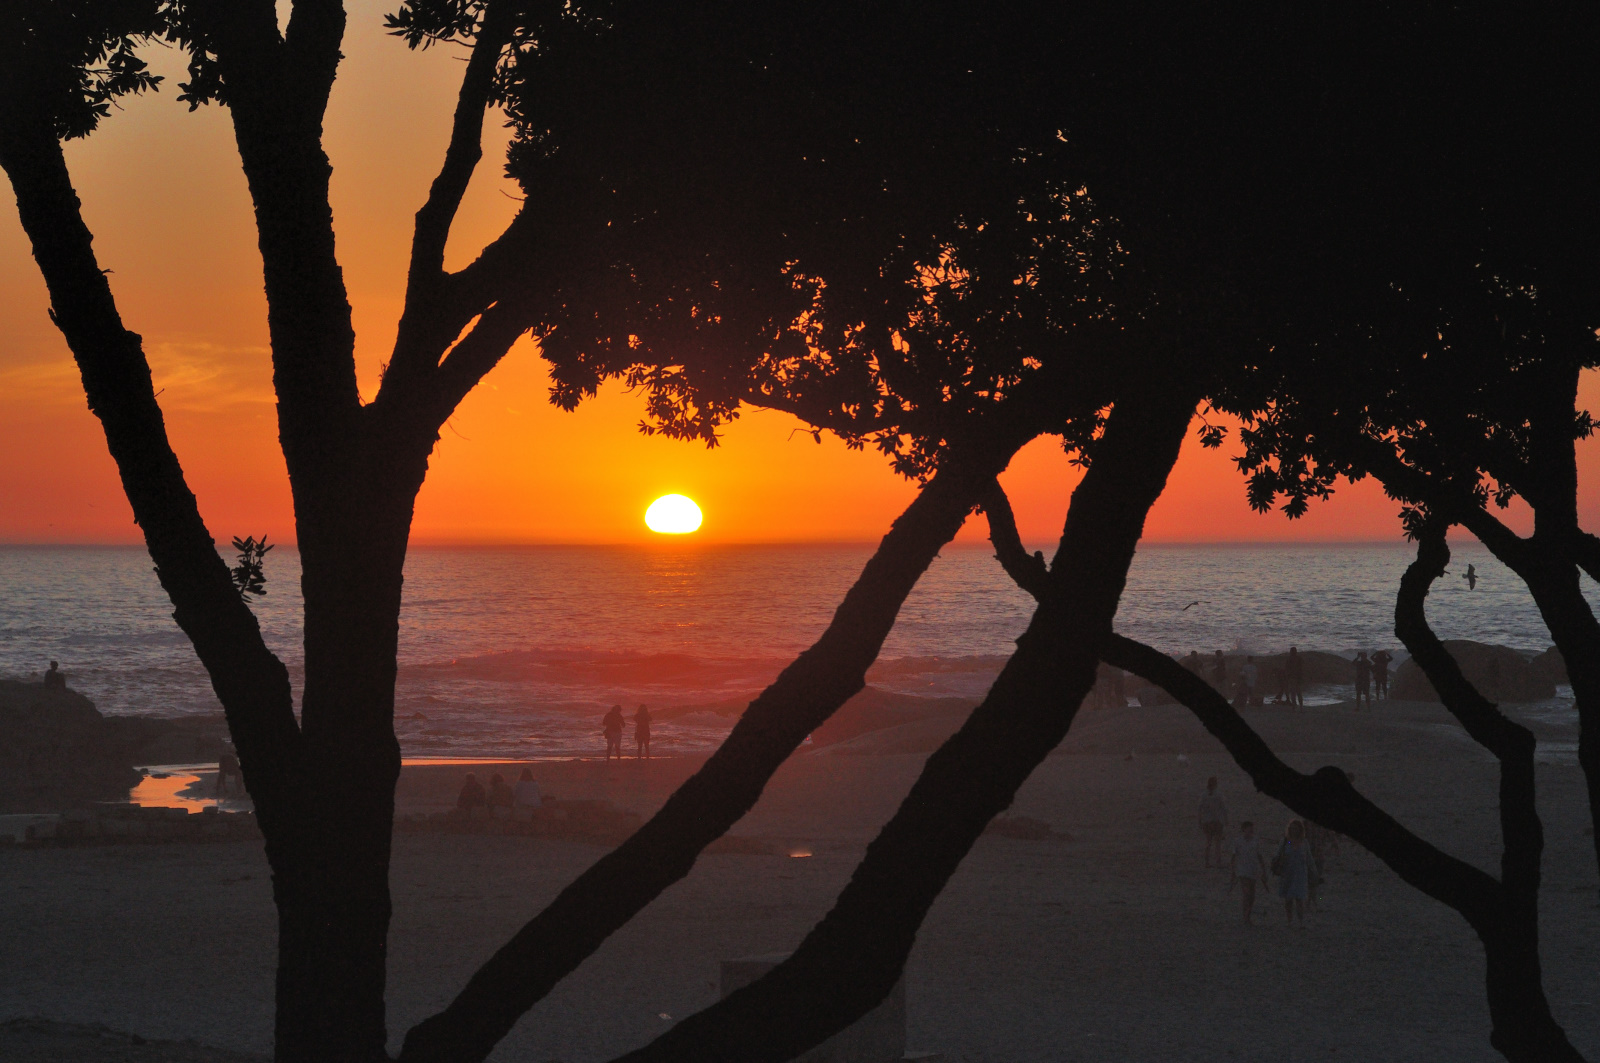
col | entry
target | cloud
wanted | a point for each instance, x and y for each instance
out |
(189, 377)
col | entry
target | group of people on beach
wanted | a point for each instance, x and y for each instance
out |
(612, 726)
(1245, 688)
(499, 794)
(1297, 861)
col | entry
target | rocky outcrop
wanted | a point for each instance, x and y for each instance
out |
(58, 752)
(1552, 666)
(1499, 673)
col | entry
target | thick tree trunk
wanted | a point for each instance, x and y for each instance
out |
(1524, 1031)
(851, 960)
(332, 872)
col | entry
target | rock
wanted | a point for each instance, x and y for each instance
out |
(1499, 673)
(1552, 666)
(57, 751)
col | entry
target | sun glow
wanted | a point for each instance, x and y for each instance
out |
(673, 515)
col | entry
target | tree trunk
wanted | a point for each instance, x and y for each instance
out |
(331, 868)
(1524, 1030)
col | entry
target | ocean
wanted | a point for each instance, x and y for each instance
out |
(517, 651)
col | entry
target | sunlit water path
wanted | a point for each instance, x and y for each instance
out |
(514, 651)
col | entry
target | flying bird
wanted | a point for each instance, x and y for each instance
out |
(1191, 605)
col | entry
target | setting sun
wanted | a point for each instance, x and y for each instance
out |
(673, 515)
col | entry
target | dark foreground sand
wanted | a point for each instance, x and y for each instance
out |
(1116, 945)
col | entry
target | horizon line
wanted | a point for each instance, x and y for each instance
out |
(523, 544)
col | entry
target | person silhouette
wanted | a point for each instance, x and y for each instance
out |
(500, 795)
(1219, 671)
(527, 791)
(1295, 675)
(1213, 817)
(53, 679)
(228, 767)
(1363, 679)
(612, 726)
(472, 795)
(1380, 674)
(641, 731)
(1471, 576)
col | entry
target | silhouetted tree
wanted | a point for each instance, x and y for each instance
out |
(919, 386)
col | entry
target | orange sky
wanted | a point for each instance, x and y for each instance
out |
(163, 193)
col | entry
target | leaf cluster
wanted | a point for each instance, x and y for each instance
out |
(249, 573)
(71, 60)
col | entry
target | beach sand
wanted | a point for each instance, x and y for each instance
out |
(1115, 945)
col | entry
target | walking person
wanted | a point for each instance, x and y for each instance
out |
(641, 731)
(1295, 673)
(1213, 820)
(1363, 680)
(1246, 865)
(1380, 674)
(612, 726)
(1293, 867)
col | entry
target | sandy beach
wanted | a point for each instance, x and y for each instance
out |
(1114, 945)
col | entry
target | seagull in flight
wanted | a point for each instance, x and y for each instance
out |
(1191, 605)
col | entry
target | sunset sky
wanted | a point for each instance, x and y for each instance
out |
(164, 196)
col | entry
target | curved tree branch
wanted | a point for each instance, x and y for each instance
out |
(1326, 797)
(1028, 570)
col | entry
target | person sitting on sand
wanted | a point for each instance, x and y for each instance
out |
(1363, 680)
(1294, 673)
(1246, 865)
(472, 795)
(612, 726)
(53, 679)
(499, 793)
(641, 730)
(1380, 674)
(1213, 820)
(1293, 865)
(527, 791)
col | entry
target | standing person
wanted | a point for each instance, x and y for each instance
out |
(228, 767)
(1246, 864)
(1195, 665)
(1293, 867)
(1249, 675)
(612, 726)
(1219, 672)
(1471, 576)
(1380, 674)
(1294, 670)
(1213, 820)
(641, 731)
(1363, 680)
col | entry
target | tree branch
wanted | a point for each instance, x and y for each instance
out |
(1522, 833)
(1326, 797)
(1028, 570)
(435, 310)
(664, 850)
(249, 680)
